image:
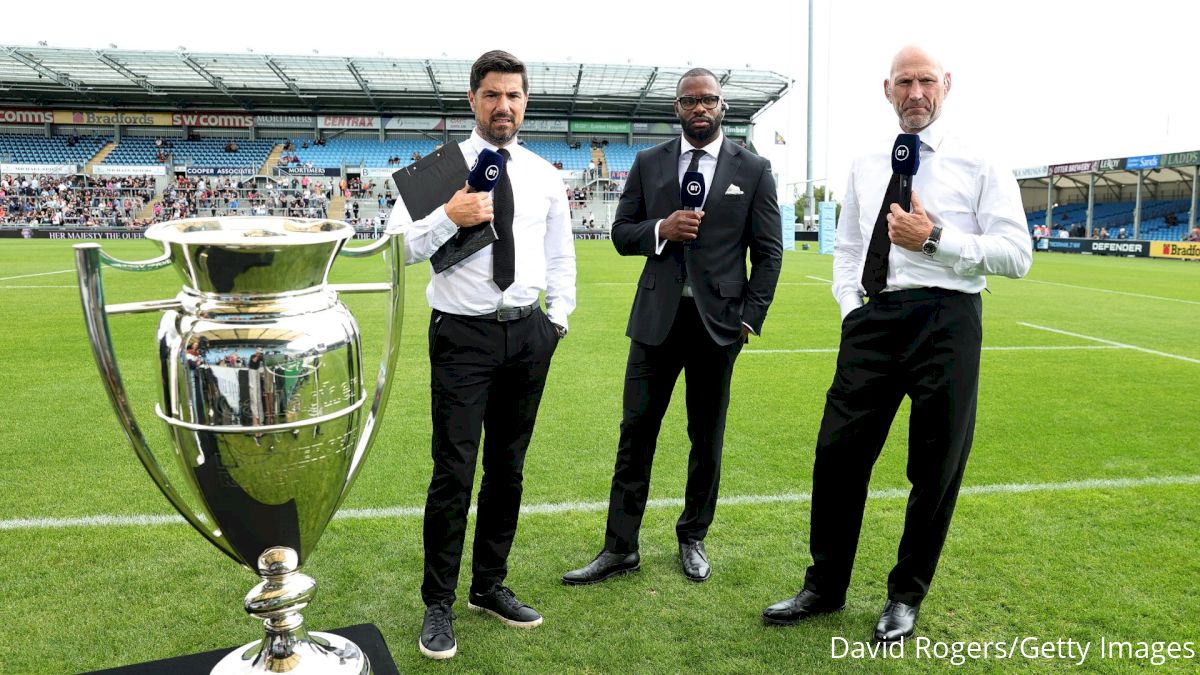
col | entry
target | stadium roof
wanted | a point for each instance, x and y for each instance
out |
(161, 80)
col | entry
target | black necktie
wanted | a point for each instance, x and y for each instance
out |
(503, 252)
(695, 165)
(875, 267)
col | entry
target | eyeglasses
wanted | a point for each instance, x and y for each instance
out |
(689, 102)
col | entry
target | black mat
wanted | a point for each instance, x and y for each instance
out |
(365, 635)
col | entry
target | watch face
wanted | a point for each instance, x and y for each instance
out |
(929, 247)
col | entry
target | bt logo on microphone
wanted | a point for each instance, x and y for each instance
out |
(493, 172)
(694, 188)
(901, 153)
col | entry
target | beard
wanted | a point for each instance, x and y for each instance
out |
(706, 134)
(493, 136)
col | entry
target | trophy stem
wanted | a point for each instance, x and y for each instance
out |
(288, 647)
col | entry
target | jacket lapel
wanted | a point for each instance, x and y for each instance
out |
(727, 166)
(669, 172)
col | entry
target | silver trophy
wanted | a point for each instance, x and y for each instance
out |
(264, 397)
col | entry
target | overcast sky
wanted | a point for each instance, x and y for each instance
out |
(1036, 81)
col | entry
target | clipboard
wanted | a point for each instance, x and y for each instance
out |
(429, 183)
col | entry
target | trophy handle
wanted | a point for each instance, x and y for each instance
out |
(392, 246)
(91, 291)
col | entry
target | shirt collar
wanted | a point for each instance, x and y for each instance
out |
(478, 143)
(713, 148)
(933, 135)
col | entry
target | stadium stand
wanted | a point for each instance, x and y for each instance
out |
(1115, 215)
(205, 151)
(620, 156)
(23, 148)
(338, 152)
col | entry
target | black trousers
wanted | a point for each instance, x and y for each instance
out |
(925, 344)
(650, 377)
(487, 376)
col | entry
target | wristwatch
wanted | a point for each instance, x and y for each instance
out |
(562, 331)
(930, 246)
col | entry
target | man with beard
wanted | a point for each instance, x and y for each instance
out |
(693, 311)
(918, 334)
(490, 345)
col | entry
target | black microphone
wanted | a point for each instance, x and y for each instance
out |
(691, 190)
(485, 173)
(906, 157)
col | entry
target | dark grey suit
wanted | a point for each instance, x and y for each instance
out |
(700, 336)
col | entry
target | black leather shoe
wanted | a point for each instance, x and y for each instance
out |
(437, 632)
(695, 561)
(898, 621)
(501, 603)
(605, 565)
(806, 604)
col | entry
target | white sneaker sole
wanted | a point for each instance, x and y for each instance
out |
(518, 624)
(437, 655)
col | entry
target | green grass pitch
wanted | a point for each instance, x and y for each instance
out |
(1090, 387)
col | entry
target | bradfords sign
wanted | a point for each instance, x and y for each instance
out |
(349, 122)
(125, 119)
(26, 116)
(212, 120)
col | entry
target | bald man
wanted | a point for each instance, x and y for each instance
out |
(911, 326)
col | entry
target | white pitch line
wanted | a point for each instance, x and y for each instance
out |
(39, 274)
(1106, 290)
(4, 287)
(1019, 348)
(599, 506)
(1109, 342)
(827, 281)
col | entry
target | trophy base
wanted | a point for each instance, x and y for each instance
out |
(311, 653)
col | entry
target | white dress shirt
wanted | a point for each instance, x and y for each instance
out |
(975, 202)
(543, 242)
(707, 166)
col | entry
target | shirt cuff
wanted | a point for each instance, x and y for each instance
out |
(752, 331)
(950, 247)
(849, 302)
(556, 318)
(659, 244)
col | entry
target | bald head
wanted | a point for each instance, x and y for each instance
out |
(916, 87)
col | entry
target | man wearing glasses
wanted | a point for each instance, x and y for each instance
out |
(694, 309)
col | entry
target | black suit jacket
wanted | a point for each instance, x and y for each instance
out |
(716, 261)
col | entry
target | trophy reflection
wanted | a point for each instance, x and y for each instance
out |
(265, 398)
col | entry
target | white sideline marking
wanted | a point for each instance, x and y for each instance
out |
(1110, 342)
(827, 281)
(1019, 348)
(592, 507)
(2, 287)
(1105, 290)
(39, 274)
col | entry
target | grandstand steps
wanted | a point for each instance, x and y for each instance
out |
(337, 204)
(272, 160)
(99, 157)
(601, 161)
(147, 212)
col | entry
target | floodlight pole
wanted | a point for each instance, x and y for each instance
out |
(808, 148)
(1137, 205)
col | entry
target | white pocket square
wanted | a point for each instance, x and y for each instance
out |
(734, 190)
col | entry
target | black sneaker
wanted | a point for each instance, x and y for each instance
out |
(501, 602)
(437, 633)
